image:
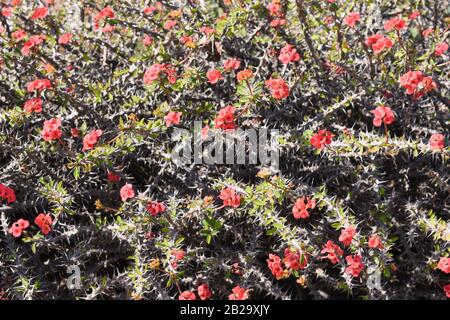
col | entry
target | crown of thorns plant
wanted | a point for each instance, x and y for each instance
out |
(93, 205)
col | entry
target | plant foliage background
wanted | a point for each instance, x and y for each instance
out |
(395, 187)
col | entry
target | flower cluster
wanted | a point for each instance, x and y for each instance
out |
(278, 88)
(44, 221)
(51, 130)
(225, 119)
(230, 198)
(91, 139)
(7, 194)
(301, 207)
(417, 84)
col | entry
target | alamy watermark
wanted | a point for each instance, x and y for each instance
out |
(254, 146)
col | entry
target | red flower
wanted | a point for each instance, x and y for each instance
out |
(395, 23)
(277, 23)
(347, 235)
(39, 13)
(74, 132)
(7, 12)
(207, 30)
(239, 293)
(91, 139)
(355, 265)
(33, 105)
(351, 19)
(244, 75)
(275, 266)
(51, 130)
(230, 198)
(334, 252)
(441, 48)
(18, 227)
(437, 141)
(44, 221)
(214, 76)
(170, 24)
(187, 295)
(7, 194)
(427, 32)
(444, 264)
(204, 292)
(149, 10)
(19, 34)
(225, 118)
(417, 84)
(147, 40)
(447, 290)
(414, 15)
(278, 88)
(153, 72)
(39, 85)
(65, 38)
(294, 260)
(375, 242)
(172, 118)
(301, 206)
(105, 13)
(155, 207)
(231, 64)
(176, 256)
(288, 54)
(321, 139)
(31, 43)
(379, 43)
(126, 192)
(382, 114)
(112, 177)
(275, 9)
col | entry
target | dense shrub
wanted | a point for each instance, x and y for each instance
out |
(92, 91)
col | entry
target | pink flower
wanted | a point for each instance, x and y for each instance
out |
(91, 139)
(355, 265)
(51, 130)
(187, 295)
(7, 12)
(214, 76)
(74, 132)
(126, 192)
(170, 24)
(39, 85)
(395, 23)
(437, 141)
(225, 118)
(427, 32)
(351, 19)
(153, 72)
(231, 64)
(414, 15)
(18, 227)
(444, 264)
(39, 13)
(207, 30)
(31, 43)
(375, 242)
(288, 54)
(278, 88)
(230, 198)
(65, 38)
(19, 34)
(239, 293)
(382, 114)
(204, 292)
(33, 105)
(147, 40)
(347, 235)
(441, 48)
(173, 118)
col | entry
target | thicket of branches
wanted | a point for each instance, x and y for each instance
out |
(138, 226)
